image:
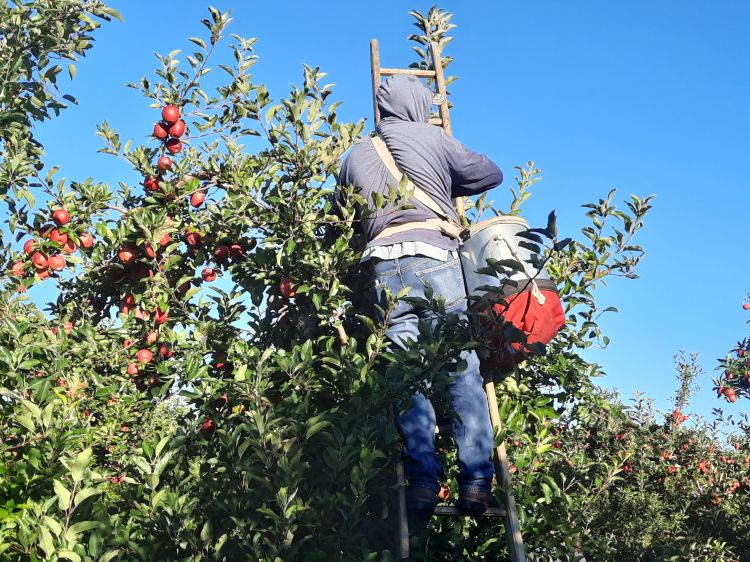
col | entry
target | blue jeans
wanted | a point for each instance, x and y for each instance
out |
(471, 422)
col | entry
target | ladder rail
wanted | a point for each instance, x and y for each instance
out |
(502, 473)
(375, 72)
(437, 65)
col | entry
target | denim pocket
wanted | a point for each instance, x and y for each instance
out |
(446, 281)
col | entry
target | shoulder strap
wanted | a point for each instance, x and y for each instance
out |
(420, 195)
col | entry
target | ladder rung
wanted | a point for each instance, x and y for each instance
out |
(436, 121)
(448, 510)
(412, 71)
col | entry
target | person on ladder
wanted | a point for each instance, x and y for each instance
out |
(421, 255)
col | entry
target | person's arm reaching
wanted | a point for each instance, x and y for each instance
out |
(471, 173)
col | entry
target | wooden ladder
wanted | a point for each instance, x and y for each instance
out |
(500, 457)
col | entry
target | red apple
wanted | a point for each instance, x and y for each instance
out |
(39, 260)
(208, 426)
(746, 306)
(170, 114)
(165, 351)
(69, 247)
(197, 198)
(149, 251)
(219, 360)
(208, 274)
(287, 288)
(86, 239)
(236, 251)
(28, 246)
(161, 131)
(151, 338)
(221, 253)
(140, 314)
(193, 238)
(164, 163)
(731, 394)
(178, 129)
(174, 146)
(57, 262)
(18, 268)
(45, 230)
(56, 236)
(126, 254)
(165, 239)
(61, 217)
(151, 184)
(127, 343)
(144, 356)
(42, 273)
(161, 316)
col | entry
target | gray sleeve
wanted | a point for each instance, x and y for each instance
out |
(471, 173)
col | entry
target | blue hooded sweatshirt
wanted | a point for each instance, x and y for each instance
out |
(436, 162)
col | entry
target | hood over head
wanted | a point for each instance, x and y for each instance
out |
(404, 97)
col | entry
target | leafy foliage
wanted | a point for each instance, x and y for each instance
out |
(207, 387)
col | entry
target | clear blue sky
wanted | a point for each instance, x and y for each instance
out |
(648, 97)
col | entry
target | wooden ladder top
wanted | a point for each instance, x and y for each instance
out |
(436, 74)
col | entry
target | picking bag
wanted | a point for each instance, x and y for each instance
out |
(531, 304)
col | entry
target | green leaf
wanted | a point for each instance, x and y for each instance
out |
(85, 494)
(81, 464)
(509, 263)
(160, 446)
(26, 194)
(198, 41)
(81, 527)
(316, 427)
(552, 225)
(48, 411)
(239, 373)
(107, 556)
(45, 542)
(72, 71)
(95, 544)
(26, 421)
(53, 525)
(33, 408)
(63, 495)
(206, 531)
(112, 12)
(69, 555)
(290, 246)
